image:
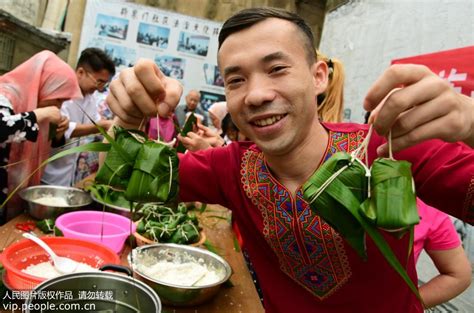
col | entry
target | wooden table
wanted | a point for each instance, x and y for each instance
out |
(241, 298)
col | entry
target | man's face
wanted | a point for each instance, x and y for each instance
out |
(90, 81)
(270, 87)
(192, 100)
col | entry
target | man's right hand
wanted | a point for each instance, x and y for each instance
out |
(142, 91)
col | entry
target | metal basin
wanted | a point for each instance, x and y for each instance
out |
(74, 197)
(115, 293)
(179, 295)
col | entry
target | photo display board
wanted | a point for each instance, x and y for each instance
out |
(182, 46)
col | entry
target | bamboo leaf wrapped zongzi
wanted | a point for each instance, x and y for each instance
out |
(155, 174)
(348, 188)
(118, 164)
(392, 204)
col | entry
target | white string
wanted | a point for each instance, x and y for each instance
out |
(390, 153)
(361, 150)
(328, 181)
(171, 175)
(157, 126)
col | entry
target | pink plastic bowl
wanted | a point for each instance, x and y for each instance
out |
(89, 225)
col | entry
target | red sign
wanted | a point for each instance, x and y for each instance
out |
(456, 66)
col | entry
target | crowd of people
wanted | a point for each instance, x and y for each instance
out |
(253, 153)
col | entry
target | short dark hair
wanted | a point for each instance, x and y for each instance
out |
(96, 60)
(249, 17)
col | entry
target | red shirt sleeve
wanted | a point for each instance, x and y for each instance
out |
(211, 175)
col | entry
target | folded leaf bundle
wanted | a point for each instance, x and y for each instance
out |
(339, 204)
(118, 164)
(392, 204)
(52, 131)
(155, 174)
(107, 194)
(188, 126)
(168, 224)
(348, 189)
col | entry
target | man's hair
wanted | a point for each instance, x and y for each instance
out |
(96, 60)
(249, 17)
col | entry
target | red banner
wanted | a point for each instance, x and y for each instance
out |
(456, 66)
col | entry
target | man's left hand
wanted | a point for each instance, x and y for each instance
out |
(427, 107)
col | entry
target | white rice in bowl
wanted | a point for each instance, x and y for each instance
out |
(180, 269)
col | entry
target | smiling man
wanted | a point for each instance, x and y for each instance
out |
(267, 60)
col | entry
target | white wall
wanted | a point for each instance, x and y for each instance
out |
(367, 34)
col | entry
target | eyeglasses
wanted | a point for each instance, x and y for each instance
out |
(99, 83)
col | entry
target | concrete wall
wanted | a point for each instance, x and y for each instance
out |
(22, 40)
(25, 10)
(367, 34)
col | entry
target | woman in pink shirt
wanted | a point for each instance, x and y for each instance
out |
(436, 234)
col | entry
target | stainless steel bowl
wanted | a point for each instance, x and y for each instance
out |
(178, 295)
(74, 197)
(95, 292)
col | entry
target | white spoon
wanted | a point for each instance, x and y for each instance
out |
(61, 264)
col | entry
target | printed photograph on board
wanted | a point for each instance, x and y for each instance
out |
(208, 98)
(171, 66)
(153, 35)
(122, 56)
(192, 43)
(111, 26)
(212, 75)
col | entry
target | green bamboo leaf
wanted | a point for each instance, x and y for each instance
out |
(209, 246)
(52, 131)
(349, 188)
(392, 205)
(155, 174)
(109, 138)
(337, 190)
(203, 207)
(90, 147)
(188, 126)
(118, 166)
(236, 243)
(102, 131)
(228, 284)
(107, 195)
(410, 243)
(385, 249)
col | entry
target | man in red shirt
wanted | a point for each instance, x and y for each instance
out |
(272, 80)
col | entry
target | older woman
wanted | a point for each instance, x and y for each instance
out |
(217, 112)
(30, 98)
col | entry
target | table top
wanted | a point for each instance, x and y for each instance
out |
(241, 297)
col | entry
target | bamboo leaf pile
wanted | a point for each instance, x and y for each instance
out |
(164, 224)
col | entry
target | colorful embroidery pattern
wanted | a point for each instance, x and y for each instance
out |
(308, 249)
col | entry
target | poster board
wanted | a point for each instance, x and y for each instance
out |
(183, 47)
